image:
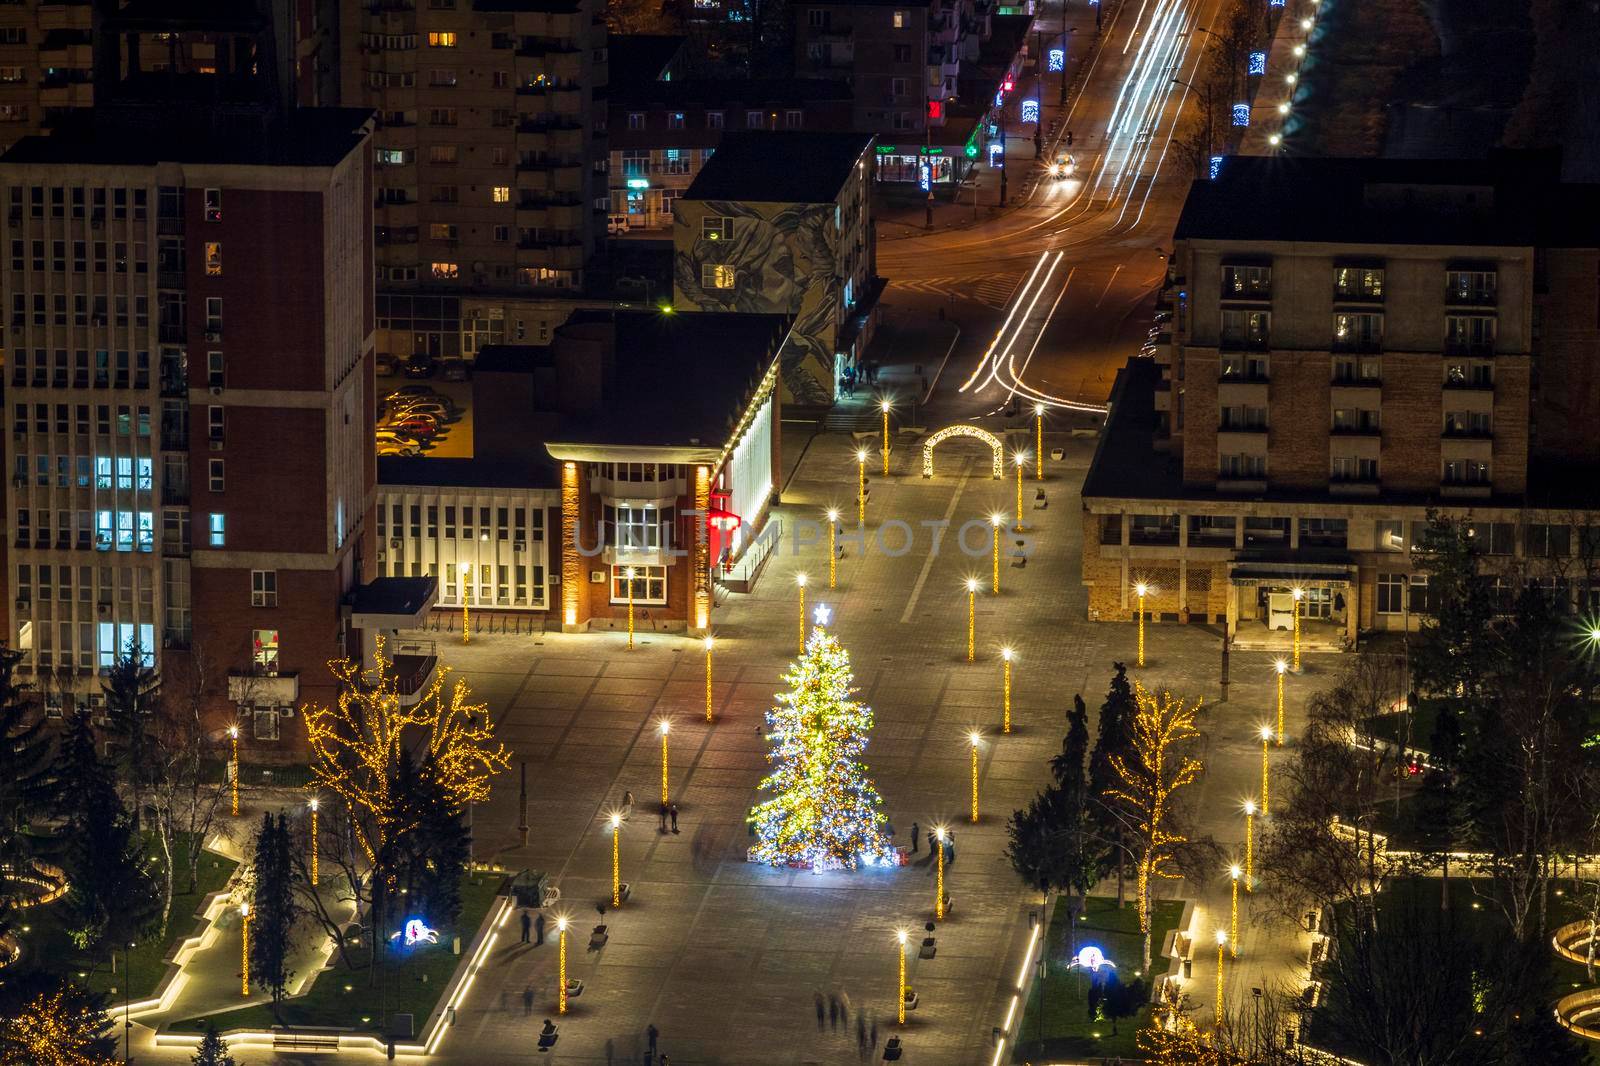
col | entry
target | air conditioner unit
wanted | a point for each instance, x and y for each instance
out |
(213, 335)
(394, 542)
(519, 546)
(380, 555)
(216, 390)
(285, 712)
(103, 609)
(23, 606)
(597, 577)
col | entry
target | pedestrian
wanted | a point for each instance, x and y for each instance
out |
(833, 1010)
(627, 800)
(527, 923)
(949, 849)
(844, 1007)
(873, 1034)
(674, 817)
(1069, 138)
(527, 1001)
(861, 1032)
(820, 1012)
(663, 817)
(538, 928)
(663, 1060)
(916, 832)
(653, 1034)
(549, 1029)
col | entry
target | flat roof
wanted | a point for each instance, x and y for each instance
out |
(1508, 199)
(682, 379)
(394, 595)
(779, 166)
(532, 470)
(727, 93)
(635, 59)
(317, 137)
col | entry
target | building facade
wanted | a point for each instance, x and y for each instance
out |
(781, 223)
(1354, 347)
(490, 153)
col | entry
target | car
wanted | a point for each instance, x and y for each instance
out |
(1064, 166)
(419, 366)
(616, 225)
(386, 365)
(427, 408)
(417, 427)
(411, 390)
(402, 449)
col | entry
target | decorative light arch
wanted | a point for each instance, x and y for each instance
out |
(963, 431)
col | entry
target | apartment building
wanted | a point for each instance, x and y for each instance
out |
(781, 223)
(1356, 344)
(490, 157)
(663, 132)
(47, 64)
(903, 63)
(189, 380)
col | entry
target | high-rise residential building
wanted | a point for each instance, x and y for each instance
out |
(490, 155)
(188, 376)
(1356, 345)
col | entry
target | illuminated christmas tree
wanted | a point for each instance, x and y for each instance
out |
(824, 812)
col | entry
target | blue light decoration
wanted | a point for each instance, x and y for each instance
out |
(1241, 114)
(1216, 167)
(418, 933)
(1030, 111)
(1258, 63)
(1090, 958)
(1056, 60)
(924, 177)
(997, 155)
(999, 99)
(994, 131)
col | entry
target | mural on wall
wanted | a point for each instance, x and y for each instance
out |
(784, 259)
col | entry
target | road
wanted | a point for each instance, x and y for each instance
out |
(1083, 257)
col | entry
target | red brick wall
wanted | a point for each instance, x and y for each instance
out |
(275, 492)
(1200, 416)
(1413, 421)
(1298, 420)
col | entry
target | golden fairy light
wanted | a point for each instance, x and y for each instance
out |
(861, 487)
(800, 584)
(938, 884)
(1021, 459)
(1299, 594)
(884, 405)
(1141, 590)
(561, 973)
(244, 948)
(833, 547)
(233, 767)
(1266, 795)
(1222, 943)
(1038, 435)
(1233, 911)
(996, 520)
(973, 738)
(1249, 845)
(466, 596)
(628, 576)
(315, 804)
(1006, 656)
(666, 728)
(972, 618)
(710, 643)
(1281, 667)
(901, 999)
(616, 860)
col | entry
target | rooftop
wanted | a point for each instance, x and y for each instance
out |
(394, 595)
(1507, 199)
(639, 59)
(533, 470)
(317, 137)
(728, 93)
(773, 166)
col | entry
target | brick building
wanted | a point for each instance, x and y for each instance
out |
(642, 440)
(189, 377)
(1356, 343)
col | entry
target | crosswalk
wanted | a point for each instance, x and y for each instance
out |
(991, 290)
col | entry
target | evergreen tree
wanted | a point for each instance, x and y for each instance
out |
(111, 898)
(273, 910)
(1113, 740)
(131, 691)
(24, 773)
(1451, 651)
(1441, 806)
(1123, 1000)
(824, 811)
(212, 1051)
(443, 845)
(77, 772)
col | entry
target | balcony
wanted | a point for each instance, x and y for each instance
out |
(1457, 346)
(1357, 429)
(258, 688)
(1237, 425)
(1243, 342)
(1457, 297)
(1357, 344)
(551, 255)
(414, 664)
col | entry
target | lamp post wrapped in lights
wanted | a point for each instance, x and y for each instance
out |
(833, 550)
(1141, 589)
(997, 520)
(974, 737)
(616, 860)
(710, 642)
(800, 584)
(1006, 655)
(1249, 845)
(884, 405)
(900, 1009)
(861, 487)
(1281, 667)
(561, 973)
(1038, 433)
(972, 618)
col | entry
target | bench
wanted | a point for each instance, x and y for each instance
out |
(295, 1041)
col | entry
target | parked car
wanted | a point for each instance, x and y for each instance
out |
(419, 366)
(424, 408)
(616, 225)
(417, 428)
(391, 443)
(387, 365)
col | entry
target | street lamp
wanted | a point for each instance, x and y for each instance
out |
(666, 729)
(1233, 911)
(628, 574)
(861, 487)
(1282, 668)
(1038, 437)
(833, 551)
(900, 1009)
(938, 884)
(466, 597)
(561, 974)
(1141, 589)
(233, 767)
(1299, 594)
(1249, 845)
(884, 405)
(1207, 93)
(1005, 655)
(710, 642)
(800, 583)
(244, 948)
(1222, 942)
(996, 520)
(973, 738)
(1021, 459)
(1266, 800)
(616, 860)
(315, 804)
(972, 617)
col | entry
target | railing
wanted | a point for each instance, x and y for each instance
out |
(743, 574)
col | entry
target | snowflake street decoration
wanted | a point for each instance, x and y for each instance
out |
(824, 812)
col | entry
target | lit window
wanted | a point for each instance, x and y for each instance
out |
(446, 271)
(218, 530)
(441, 39)
(264, 643)
(213, 200)
(264, 588)
(213, 258)
(717, 276)
(899, 20)
(649, 584)
(716, 228)
(500, 194)
(442, 231)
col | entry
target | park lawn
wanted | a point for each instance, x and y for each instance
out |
(414, 980)
(47, 939)
(1392, 727)
(1067, 1031)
